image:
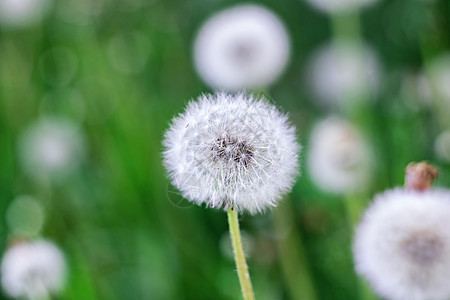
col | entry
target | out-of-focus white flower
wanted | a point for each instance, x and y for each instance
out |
(402, 246)
(342, 72)
(340, 6)
(339, 159)
(51, 147)
(416, 87)
(439, 71)
(442, 146)
(17, 13)
(25, 216)
(232, 151)
(33, 270)
(245, 46)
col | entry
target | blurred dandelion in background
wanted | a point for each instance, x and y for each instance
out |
(232, 151)
(439, 71)
(33, 270)
(344, 72)
(25, 216)
(442, 146)
(22, 13)
(402, 244)
(246, 46)
(416, 88)
(340, 6)
(339, 158)
(51, 148)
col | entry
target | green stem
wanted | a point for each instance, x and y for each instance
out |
(294, 263)
(239, 257)
(354, 208)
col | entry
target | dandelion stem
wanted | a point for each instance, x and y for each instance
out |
(239, 257)
(354, 207)
(294, 263)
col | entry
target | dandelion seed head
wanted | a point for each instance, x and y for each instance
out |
(245, 46)
(339, 159)
(343, 72)
(33, 270)
(402, 245)
(232, 151)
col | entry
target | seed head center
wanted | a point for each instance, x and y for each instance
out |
(423, 247)
(231, 150)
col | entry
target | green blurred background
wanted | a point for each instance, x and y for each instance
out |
(121, 70)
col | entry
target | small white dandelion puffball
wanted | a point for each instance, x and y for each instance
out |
(339, 158)
(246, 46)
(343, 71)
(33, 270)
(402, 245)
(232, 151)
(51, 148)
(340, 6)
(19, 13)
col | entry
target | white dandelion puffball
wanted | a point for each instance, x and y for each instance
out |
(18, 13)
(340, 6)
(51, 147)
(246, 46)
(232, 151)
(402, 245)
(33, 270)
(339, 158)
(343, 71)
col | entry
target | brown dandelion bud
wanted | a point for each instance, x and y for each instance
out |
(420, 176)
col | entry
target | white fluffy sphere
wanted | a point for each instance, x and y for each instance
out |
(232, 151)
(33, 270)
(340, 6)
(245, 46)
(343, 71)
(51, 147)
(339, 158)
(402, 246)
(16, 13)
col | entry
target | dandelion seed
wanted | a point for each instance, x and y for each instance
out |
(232, 151)
(402, 246)
(343, 72)
(339, 159)
(33, 270)
(246, 46)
